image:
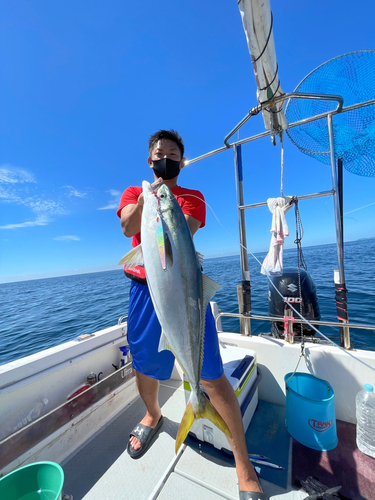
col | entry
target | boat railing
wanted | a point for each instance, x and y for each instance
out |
(122, 319)
(281, 319)
(339, 275)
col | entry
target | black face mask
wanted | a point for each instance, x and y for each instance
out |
(166, 168)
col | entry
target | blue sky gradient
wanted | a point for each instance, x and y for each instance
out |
(83, 86)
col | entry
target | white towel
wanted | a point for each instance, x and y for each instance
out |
(273, 263)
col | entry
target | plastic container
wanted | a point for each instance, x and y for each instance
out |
(40, 480)
(24, 417)
(310, 411)
(125, 355)
(92, 378)
(241, 370)
(365, 413)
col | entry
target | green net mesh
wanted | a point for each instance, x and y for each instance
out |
(353, 77)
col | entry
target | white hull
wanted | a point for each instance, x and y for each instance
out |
(55, 374)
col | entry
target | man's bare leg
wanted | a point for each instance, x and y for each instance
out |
(149, 391)
(224, 399)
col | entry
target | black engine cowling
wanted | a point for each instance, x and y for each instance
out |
(304, 300)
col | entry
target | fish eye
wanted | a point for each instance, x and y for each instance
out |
(162, 196)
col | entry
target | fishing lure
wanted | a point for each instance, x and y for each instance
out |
(159, 232)
(160, 241)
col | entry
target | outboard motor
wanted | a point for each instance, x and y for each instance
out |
(288, 286)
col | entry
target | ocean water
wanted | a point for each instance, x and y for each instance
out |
(39, 314)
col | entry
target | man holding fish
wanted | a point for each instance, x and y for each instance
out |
(169, 313)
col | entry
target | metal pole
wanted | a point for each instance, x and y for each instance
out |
(291, 125)
(280, 319)
(245, 304)
(340, 276)
(302, 197)
(266, 105)
(340, 185)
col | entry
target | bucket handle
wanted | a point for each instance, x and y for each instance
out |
(302, 355)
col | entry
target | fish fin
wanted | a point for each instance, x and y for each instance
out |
(133, 258)
(168, 250)
(200, 258)
(185, 425)
(210, 287)
(163, 343)
(205, 410)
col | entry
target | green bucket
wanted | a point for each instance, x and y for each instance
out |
(37, 481)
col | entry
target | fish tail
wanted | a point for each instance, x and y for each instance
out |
(205, 410)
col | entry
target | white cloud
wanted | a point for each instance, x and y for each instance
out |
(114, 200)
(75, 192)
(8, 195)
(45, 207)
(67, 238)
(38, 222)
(14, 175)
(14, 190)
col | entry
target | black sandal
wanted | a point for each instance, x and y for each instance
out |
(252, 495)
(144, 434)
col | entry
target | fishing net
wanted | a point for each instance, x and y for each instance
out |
(351, 76)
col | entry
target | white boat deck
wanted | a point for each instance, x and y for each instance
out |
(103, 470)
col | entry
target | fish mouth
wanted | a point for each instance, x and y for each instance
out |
(156, 185)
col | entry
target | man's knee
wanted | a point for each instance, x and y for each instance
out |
(214, 384)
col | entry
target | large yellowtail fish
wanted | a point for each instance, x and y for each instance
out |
(180, 294)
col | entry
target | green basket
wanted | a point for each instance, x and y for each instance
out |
(37, 481)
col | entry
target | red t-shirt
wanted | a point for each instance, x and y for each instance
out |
(191, 202)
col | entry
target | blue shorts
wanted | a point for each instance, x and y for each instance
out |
(144, 334)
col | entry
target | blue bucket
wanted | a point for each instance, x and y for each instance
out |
(310, 411)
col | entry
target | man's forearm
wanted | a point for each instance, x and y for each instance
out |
(131, 219)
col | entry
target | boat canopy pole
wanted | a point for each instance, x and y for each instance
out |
(339, 276)
(243, 291)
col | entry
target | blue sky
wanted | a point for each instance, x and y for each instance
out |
(84, 84)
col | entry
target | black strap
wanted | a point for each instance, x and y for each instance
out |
(341, 301)
(133, 277)
(268, 39)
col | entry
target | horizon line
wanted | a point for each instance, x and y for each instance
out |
(19, 278)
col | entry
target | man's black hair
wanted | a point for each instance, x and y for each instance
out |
(172, 135)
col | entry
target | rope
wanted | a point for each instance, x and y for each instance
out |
(273, 79)
(299, 359)
(282, 162)
(268, 39)
(299, 235)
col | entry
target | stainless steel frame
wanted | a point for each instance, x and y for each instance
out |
(296, 320)
(267, 133)
(246, 326)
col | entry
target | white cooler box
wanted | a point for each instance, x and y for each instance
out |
(240, 368)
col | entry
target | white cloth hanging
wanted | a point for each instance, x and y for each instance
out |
(273, 263)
